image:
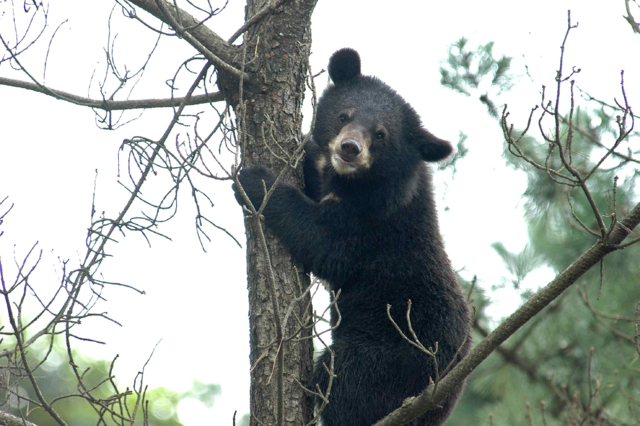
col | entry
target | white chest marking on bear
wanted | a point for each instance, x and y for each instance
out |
(330, 197)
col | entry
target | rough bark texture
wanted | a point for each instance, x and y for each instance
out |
(7, 419)
(276, 60)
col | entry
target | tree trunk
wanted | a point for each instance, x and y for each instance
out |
(277, 54)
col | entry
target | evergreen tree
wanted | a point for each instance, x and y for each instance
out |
(577, 361)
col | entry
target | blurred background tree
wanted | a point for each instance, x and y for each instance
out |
(576, 363)
(57, 379)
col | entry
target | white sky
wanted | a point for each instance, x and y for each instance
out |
(197, 302)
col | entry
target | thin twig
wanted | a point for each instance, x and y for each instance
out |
(257, 17)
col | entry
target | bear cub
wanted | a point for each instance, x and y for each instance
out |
(367, 225)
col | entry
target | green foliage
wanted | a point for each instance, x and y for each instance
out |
(467, 71)
(518, 264)
(549, 363)
(461, 151)
(58, 383)
(164, 402)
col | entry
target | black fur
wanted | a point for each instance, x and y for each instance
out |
(370, 229)
(344, 65)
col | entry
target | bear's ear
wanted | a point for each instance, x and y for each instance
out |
(432, 148)
(344, 65)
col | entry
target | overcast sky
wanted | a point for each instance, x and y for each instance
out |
(196, 302)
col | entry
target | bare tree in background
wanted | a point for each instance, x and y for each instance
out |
(255, 92)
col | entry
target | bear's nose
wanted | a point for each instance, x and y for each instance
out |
(350, 149)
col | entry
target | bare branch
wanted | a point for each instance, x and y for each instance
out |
(110, 105)
(205, 41)
(510, 355)
(273, 4)
(591, 138)
(637, 334)
(428, 399)
(7, 419)
(18, 334)
(630, 19)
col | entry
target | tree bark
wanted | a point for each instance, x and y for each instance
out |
(277, 55)
(271, 66)
(7, 419)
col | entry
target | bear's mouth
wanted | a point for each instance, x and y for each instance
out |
(341, 165)
(342, 160)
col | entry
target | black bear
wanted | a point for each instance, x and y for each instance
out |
(367, 225)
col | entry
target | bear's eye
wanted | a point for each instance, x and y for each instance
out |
(342, 118)
(379, 136)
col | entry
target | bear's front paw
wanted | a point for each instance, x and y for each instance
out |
(251, 179)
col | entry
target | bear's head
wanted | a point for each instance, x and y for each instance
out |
(364, 128)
